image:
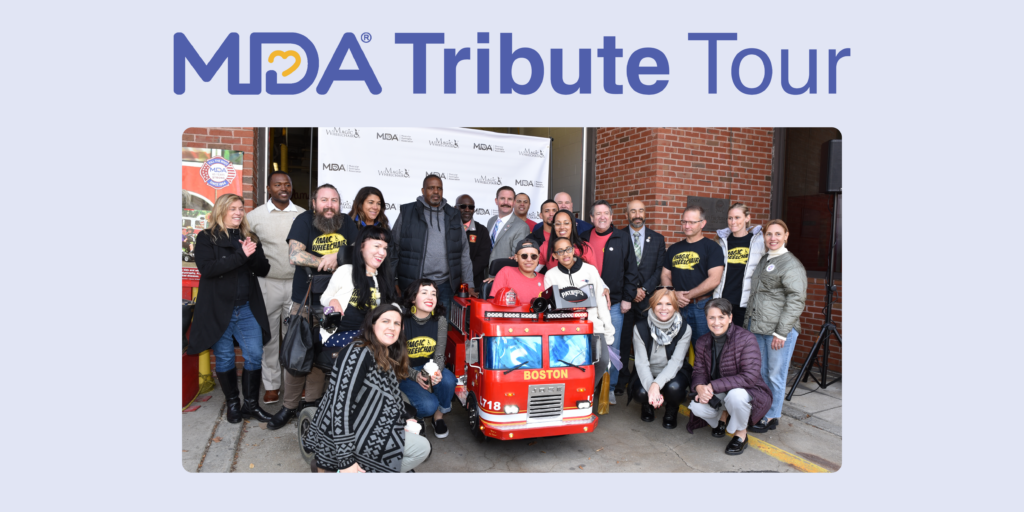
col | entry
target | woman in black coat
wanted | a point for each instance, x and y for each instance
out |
(230, 305)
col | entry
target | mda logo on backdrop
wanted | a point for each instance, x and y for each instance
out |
(340, 167)
(447, 176)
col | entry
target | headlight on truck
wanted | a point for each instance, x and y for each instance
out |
(511, 409)
(583, 404)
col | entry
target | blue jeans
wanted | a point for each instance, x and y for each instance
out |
(425, 402)
(775, 368)
(445, 294)
(616, 312)
(244, 328)
(694, 315)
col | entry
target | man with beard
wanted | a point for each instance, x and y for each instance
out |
(314, 241)
(615, 260)
(432, 243)
(506, 229)
(523, 209)
(476, 235)
(648, 248)
(271, 224)
(542, 231)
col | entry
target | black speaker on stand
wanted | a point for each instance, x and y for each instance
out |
(831, 183)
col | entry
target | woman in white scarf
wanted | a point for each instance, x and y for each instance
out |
(660, 346)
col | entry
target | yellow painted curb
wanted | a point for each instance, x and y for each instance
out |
(775, 452)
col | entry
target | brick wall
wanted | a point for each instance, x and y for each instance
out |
(662, 166)
(235, 139)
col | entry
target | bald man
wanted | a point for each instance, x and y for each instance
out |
(564, 202)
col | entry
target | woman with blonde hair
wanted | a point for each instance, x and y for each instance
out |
(778, 292)
(230, 304)
(660, 345)
(743, 247)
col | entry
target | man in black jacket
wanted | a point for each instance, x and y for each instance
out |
(649, 251)
(476, 234)
(617, 265)
(430, 242)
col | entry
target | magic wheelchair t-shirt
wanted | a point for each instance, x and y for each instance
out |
(739, 253)
(689, 262)
(318, 244)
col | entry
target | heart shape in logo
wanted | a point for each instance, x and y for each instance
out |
(284, 55)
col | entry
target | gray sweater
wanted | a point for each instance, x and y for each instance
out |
(656, 366)
(435, 265)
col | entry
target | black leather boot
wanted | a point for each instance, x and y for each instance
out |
(229, 385)
(671, 411)
(251, 395)
(646, 412)
(281, 418)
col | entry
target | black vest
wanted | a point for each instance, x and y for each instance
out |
(421, 340)
(414, 244)
(644, 329)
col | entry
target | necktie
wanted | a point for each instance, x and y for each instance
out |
(494, 232)
(636, 247)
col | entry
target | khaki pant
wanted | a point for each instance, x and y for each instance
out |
(313, 381)
(277, 295)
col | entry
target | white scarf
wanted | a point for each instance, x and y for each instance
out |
(664, 332)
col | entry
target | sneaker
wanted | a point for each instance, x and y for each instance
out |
(440, 429)
(611, 398)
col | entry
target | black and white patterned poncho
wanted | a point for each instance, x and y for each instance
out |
(360, 416)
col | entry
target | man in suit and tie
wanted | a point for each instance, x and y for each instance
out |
(649, 248)
(506, 229)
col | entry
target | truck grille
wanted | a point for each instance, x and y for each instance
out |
(546, 401)
(457, 317)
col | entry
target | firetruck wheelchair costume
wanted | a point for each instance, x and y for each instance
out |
(362, 424)
(660, 345)
(430, 386)
(572, 271)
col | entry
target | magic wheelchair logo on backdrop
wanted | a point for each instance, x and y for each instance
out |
(389, 172)
(343, 132)
(646, 69)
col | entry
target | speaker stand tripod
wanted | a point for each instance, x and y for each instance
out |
(828, 328)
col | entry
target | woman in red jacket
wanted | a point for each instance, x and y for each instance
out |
(727, 378)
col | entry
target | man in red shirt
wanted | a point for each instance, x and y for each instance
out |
(522, 209)
(523, 278)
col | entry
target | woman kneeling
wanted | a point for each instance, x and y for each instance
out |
(727, 372)
(362, 424)
(660, 345)
(430, 386)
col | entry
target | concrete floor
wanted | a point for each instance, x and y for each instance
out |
(811, 428)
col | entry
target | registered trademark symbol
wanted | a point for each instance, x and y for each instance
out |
(366, 37)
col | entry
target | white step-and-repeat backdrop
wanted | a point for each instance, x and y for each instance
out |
(396, 160)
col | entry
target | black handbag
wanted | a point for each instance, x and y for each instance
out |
(297, 351)
(187, 307)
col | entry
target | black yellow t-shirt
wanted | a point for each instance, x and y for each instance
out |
(355, 310)
(739, 252)
(317, 243)
(689, 262)
(421, 340)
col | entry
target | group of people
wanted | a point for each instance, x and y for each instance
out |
(738, 297)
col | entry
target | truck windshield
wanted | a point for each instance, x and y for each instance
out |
(573, 349)
(508, 352)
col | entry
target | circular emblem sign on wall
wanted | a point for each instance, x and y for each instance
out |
(217, 172)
